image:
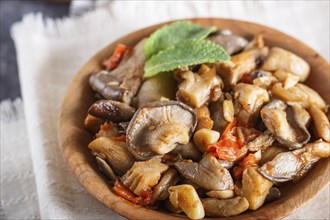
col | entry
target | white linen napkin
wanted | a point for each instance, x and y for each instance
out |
(18, 191)
(50, 52)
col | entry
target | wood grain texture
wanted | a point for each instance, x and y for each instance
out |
(73, 137)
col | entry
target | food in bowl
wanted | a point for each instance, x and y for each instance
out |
(204, 122)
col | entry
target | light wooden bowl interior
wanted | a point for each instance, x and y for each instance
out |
(73, 137)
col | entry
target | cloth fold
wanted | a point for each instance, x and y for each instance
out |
(50, 52)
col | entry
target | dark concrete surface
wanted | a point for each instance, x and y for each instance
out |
(12, 11)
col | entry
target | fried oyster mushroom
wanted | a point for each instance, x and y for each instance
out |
(321, 122)
(122, 83)
(281, 59)
(196, 89)
(283, 122)
(111, 110)
(114, 152)
(240, 64)
(248, 101)
(255, 187)
(208, 173)
(285, 166)
(144, 175)
(157, 128)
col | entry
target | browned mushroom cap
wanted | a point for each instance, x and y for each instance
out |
(111, 110)
(157, 128)
(208, 173)
(122, 83)
(282, 121)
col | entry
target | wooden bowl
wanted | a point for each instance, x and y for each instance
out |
(73, 137)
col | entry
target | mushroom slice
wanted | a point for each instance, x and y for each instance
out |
(93, 123)
(240, 64)
(156, 87)
(285, 166)
(111, 110)
(263, 79)
(288, 79)
(281, 120)
(106, 169)
(270, 153)
(157, 128)
(312, 96)
(217, 115)
(114, 152)
(226, 164)
(144, 175)
(255, 187)
(319, 148)
(188, 151)
(225, 207)
(169, 178)
(208, 173)
(256, 42)
(280, 59)
(301, 115)
(186, 198)
(197, 89)
(122, 83)
(231, 43)
(251, 97)
(261, 142)
(225, 194)
(249, 100)
(292, 94)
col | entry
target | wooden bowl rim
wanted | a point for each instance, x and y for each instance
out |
(86, 174)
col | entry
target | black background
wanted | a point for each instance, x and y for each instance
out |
(11, 12)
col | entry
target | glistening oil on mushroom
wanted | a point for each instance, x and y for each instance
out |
(183, 125)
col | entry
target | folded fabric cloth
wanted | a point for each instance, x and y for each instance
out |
(50, 52)
(18, 189)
